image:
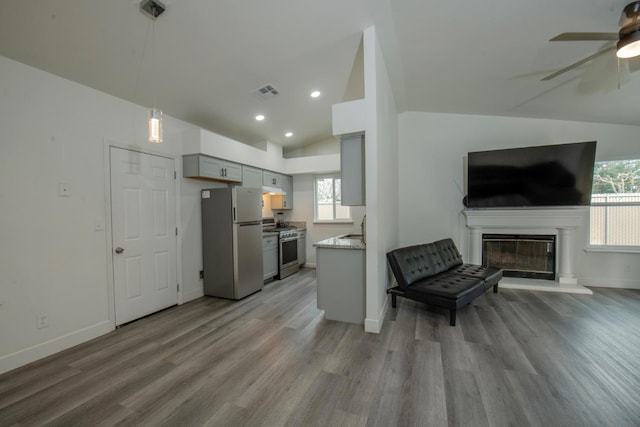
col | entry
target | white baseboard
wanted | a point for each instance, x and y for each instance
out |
(608, 283)
(374, 326)
(39, 351)
(192, 294)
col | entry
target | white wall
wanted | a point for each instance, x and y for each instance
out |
(53, 261)
(326, 146)
(432, 149)
(381, 154)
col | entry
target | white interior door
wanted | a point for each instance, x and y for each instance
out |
(143, 233)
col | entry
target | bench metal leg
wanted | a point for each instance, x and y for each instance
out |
(393, 300)
(452, 317)
(495, 288)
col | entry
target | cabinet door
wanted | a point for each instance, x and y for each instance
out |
(302, 248)
(284, 201)
(251, 177)
(270, 256)
(210, 167)
(352, 170)
(231, 171)
(272, 179)
(201, 166)
(287, 187)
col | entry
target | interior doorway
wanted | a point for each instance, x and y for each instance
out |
(143, 233)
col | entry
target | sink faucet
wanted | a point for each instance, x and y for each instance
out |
(363, 227)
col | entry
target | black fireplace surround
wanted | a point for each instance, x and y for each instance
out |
(531, 256)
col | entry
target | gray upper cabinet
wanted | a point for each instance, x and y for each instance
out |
(251, 177)
(352, 170)
(272, 179)
(201, 166)
(284, 201)
(287, 188)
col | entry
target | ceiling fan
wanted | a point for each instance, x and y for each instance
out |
(628, 39)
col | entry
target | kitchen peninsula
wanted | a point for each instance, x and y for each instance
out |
(340, 277)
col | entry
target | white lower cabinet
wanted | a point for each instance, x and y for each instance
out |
(340, 283)
(270, 256)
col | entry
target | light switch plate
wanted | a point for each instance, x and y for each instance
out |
(63, 189)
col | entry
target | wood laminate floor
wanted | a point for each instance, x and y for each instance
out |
(516, 358)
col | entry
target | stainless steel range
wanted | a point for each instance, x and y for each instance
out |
(287, 248)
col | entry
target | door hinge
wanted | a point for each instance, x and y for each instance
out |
(176, 231)
(175, 174)
(177, 287)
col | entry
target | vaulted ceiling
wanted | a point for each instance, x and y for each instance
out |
(210, 56)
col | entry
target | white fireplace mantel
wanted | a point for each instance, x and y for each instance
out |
(563, 222)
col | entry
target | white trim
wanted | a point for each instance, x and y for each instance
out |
(38, 351)
(374, 326)
(609, 283)
(544, 285)
(334, 204)
(613, 249)
(333, 222)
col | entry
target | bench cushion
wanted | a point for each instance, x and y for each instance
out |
(448, 286)
(449, 253)
(412, 264)
(491, 275)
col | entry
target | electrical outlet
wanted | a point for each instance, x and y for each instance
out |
(42, 321)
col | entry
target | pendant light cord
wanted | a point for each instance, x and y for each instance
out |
(153, 60)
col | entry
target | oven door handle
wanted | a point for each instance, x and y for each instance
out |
(288, 239)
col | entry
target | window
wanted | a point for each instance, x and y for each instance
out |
(327, 198)
(615, 204)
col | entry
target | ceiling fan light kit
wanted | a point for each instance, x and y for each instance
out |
(629, 41)
(629, 45)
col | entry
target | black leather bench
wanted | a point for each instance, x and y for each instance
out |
(434, 274)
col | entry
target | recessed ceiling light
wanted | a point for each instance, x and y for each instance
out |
(259, 117)
(315, 94)
(288, 134)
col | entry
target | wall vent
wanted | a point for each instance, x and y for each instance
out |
(266, 91)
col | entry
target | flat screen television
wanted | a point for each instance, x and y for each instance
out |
(548, 175)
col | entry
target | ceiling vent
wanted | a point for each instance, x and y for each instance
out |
(266, 91)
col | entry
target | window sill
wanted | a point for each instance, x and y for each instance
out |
(613, 249)
(334, 222)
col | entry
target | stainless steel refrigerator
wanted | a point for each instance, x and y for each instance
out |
(232, 241)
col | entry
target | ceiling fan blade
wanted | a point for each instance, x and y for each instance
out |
(568, 37)
(634, 64)
(577, 64)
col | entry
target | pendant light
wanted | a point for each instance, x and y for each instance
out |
(154, 8)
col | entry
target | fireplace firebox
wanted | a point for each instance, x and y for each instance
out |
(531, 256)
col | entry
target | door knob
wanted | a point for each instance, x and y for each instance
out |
(119, 250)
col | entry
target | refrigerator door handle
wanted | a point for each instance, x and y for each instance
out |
(234, 214)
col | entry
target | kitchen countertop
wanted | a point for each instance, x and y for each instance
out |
(341, 242)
